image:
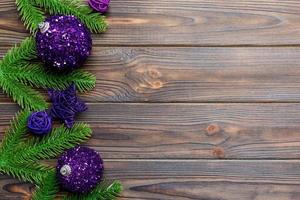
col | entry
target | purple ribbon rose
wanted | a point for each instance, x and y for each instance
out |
(99, 5)
(39, 123)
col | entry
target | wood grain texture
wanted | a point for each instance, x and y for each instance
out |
(190, 131)
(195, 179)
(142, 74)
(195, 99)
(189, 22)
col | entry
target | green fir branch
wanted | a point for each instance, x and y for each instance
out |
(16, 73)
(25, 96)
(30, 15)
(94, 21)
(15, 133)
(26, 171)
(15, 65)
(48, 189)
(101, 192)
(18, 55)
(52, 144)
(36, 75)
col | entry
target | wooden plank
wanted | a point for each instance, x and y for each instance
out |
(197, 179)
(190, 22)
(12, 189)
(182, 131)
(142, 74)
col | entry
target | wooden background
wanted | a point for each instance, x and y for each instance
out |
(195, 99)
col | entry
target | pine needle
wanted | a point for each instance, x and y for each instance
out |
(23, 95)
(16, 73)
(48, 189)
(94, 21)
(26, 97)
(102, 192)
(26, 171)
(15, 133)
(24, 52)
(30, 15)
(36, 75)
(53, 144)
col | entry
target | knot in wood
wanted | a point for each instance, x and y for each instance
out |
(212, 129)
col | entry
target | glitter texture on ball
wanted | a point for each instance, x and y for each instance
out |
(79, 169)
(63, 42)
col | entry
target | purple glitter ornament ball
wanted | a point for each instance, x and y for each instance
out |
(63, 42)
(99, 5)
(39, 123)
(79, 169)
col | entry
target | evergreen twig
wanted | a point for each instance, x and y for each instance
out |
(25, 96)
(48, 189)
(25, 171)
(16, 73)
(30, 15)
(36, 75)
(102, 192)
(94, 21)
(52, 144)
(18, 55)
(15, 133)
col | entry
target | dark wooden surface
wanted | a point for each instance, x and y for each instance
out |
(195, 99)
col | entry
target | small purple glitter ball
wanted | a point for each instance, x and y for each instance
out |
(79, 169)
(63, 42)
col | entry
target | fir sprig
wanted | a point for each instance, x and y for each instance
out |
(52, 144)
(16, 65)
(25, 96)
(15, 133)
(26, 171)
(48, 189)
(102, 192)
(94, 21)
(19, 54)
(17, 76)
(36, 75)
(30, 15)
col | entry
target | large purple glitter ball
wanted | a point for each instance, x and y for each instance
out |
(63, 42)
(79, 169)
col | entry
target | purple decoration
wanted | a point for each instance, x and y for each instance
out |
(79, 169)
(99, 5)
(65, 105)
(63, 42)
(39, 123)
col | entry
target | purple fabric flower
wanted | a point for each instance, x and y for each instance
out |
(79, 169)
(65, 105)
(39, 123)
(99, 5)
